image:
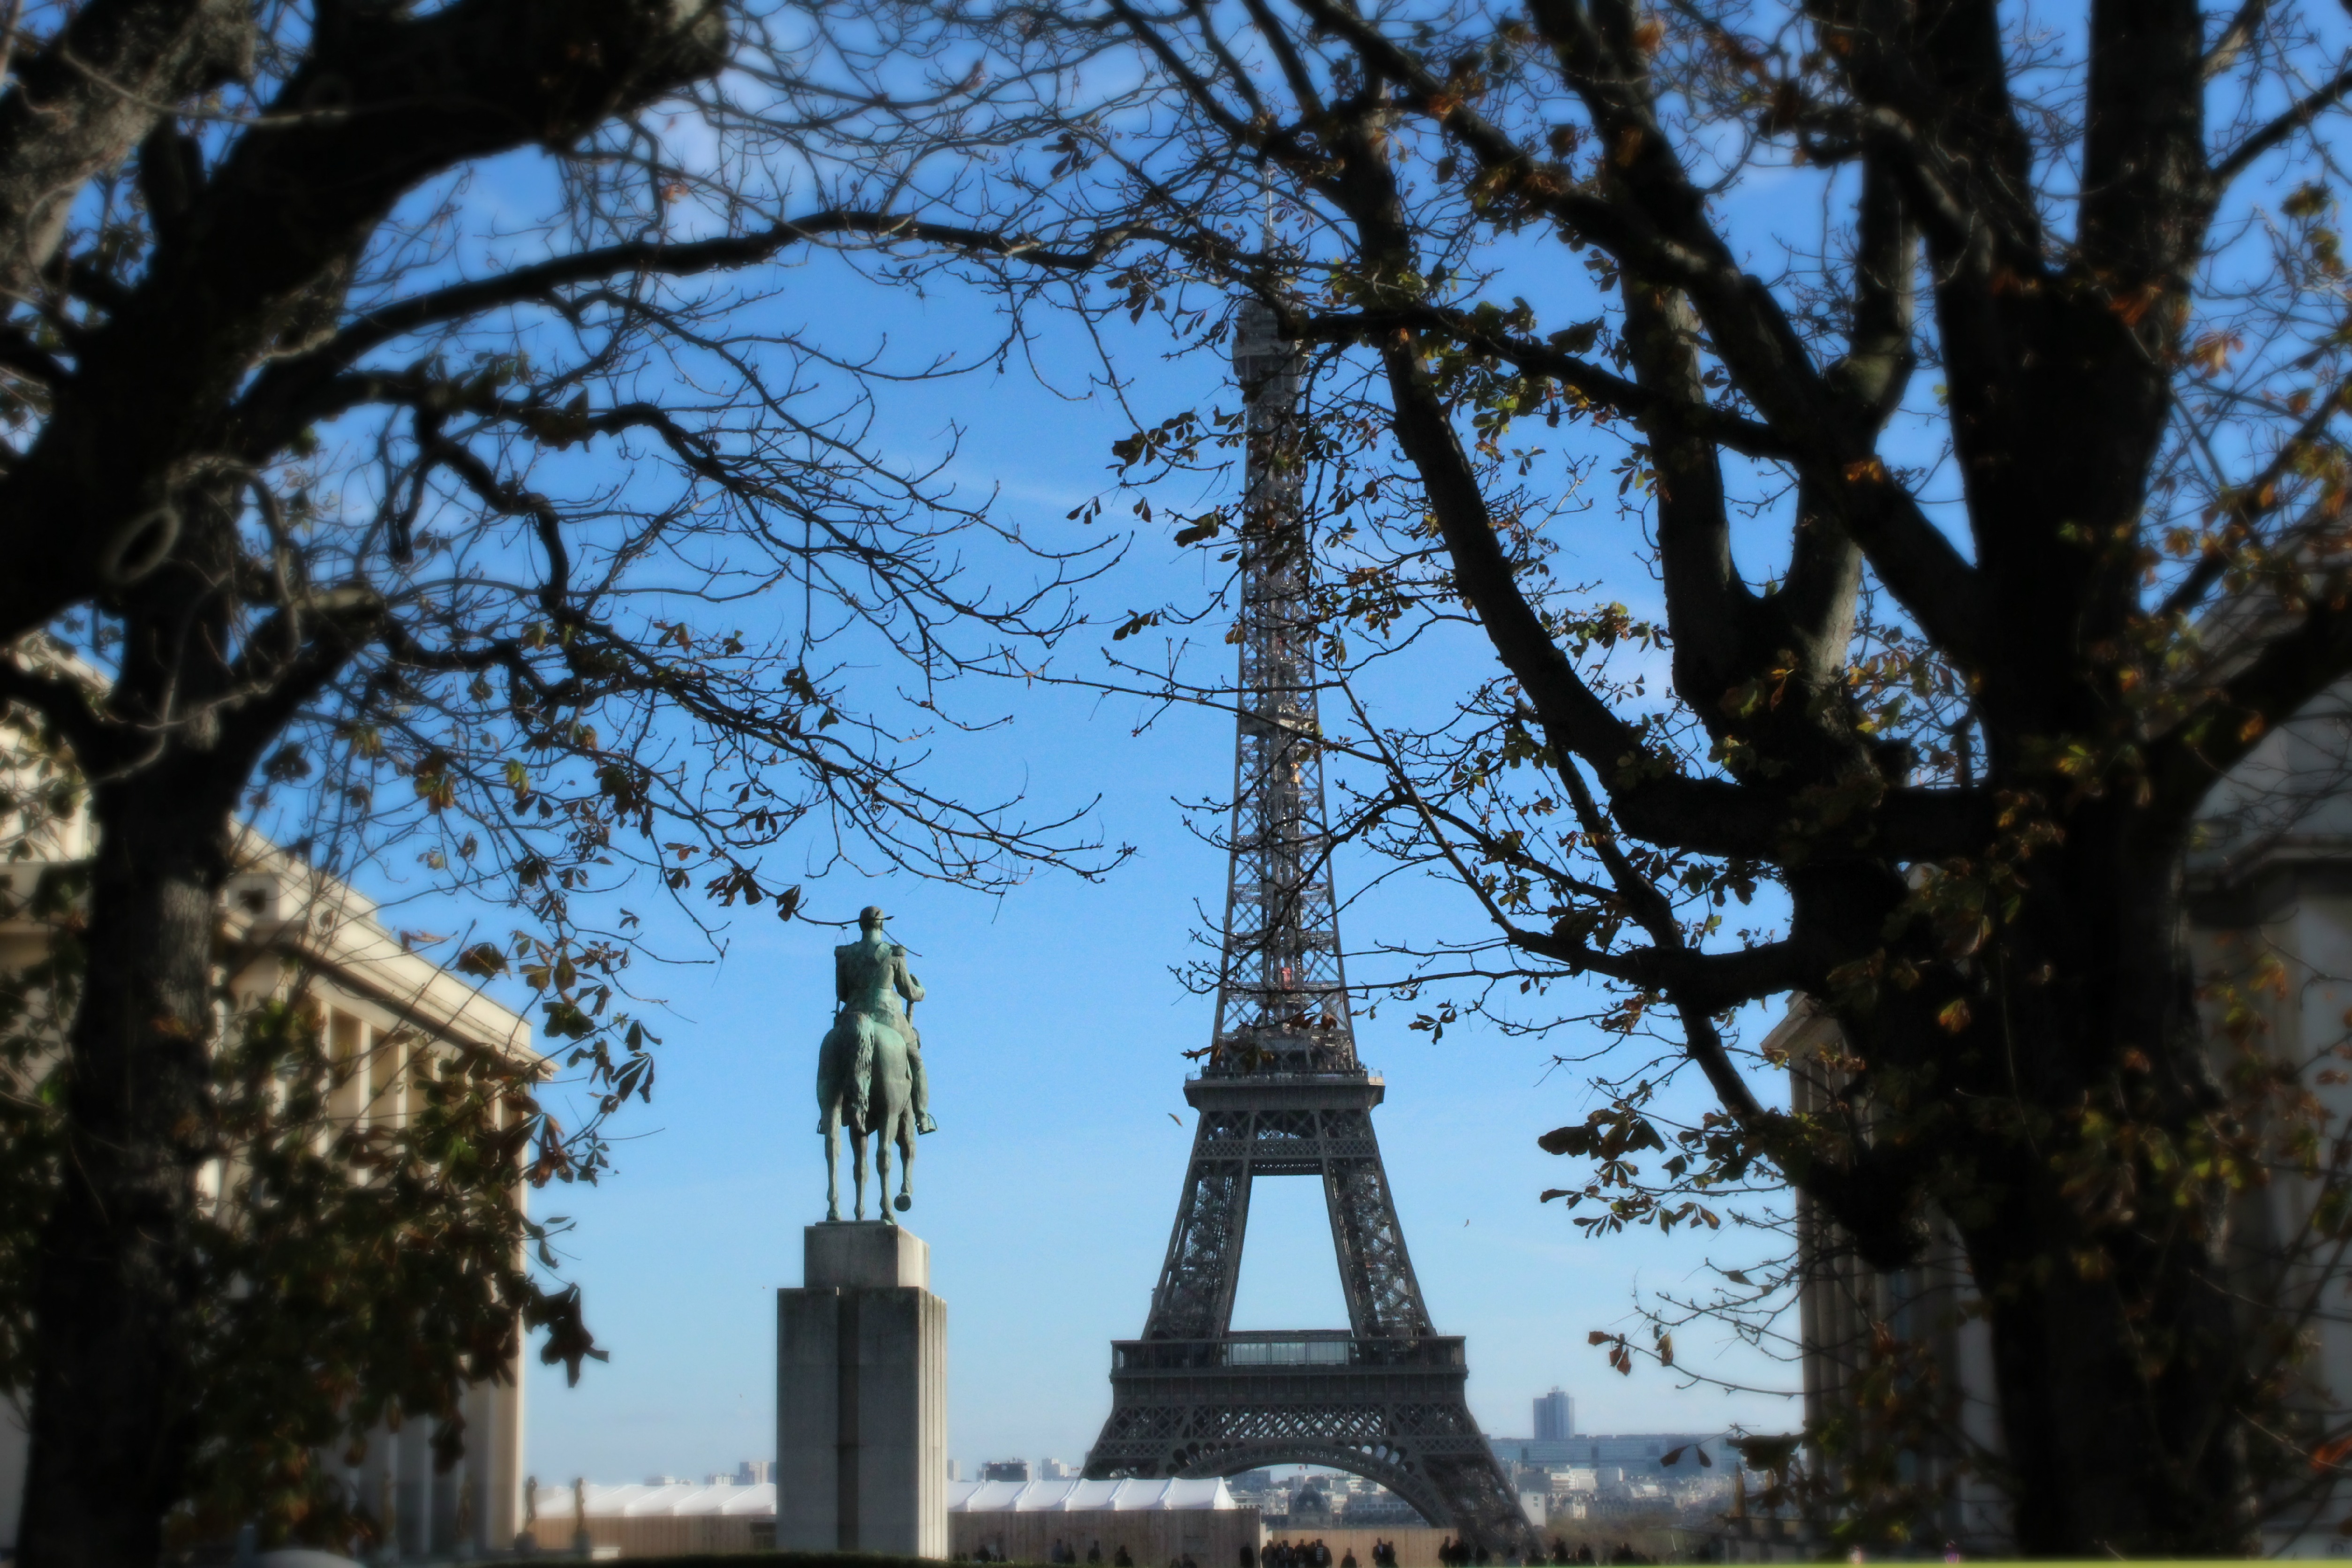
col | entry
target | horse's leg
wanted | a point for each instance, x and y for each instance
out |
(861, 1173)
(882, 1175)
(833, 1163)
(907, 1161)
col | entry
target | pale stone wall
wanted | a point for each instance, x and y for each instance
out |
(1153, 1537)
(660, 1535)
(13, 1456)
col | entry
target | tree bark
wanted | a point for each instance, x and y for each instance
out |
(2107, 1458)
(116, 1284)
(2083, 1090)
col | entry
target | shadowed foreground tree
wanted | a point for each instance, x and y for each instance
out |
(408, 437)
(1949, 364)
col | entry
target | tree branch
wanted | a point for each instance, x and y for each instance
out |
(2248, 503)
(1662, 232)
(324, 631)
(71, 705)
(2306, 108)
(1615, 392)
(276, 230)
(2292, 668)
(88, 96)
(302, 388)
(2234, 38)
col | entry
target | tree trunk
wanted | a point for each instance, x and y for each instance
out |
(2110, 1454)
(115, 1292)
(2116, 1355)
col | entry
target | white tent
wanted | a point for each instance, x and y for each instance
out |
(678, 1500)
(1072, 1494)
(687, 1499)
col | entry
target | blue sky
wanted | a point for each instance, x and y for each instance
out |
(1054, 1032)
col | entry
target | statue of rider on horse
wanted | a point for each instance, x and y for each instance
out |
(869, 1071)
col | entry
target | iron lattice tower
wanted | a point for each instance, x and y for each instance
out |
(1283, 1093)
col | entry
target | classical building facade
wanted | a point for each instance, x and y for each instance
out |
(388, 1014)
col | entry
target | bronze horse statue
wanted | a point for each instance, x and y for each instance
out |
(866, 1077)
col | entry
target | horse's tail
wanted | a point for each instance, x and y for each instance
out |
(885, 1068)
(861, 1069)
(844, 1068)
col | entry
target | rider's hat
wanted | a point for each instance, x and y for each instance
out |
(871, 916)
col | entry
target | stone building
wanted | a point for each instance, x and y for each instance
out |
(387, 1012)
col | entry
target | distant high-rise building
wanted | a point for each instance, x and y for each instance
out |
(955, 1469)
(1055, 1470)
(755, 1472)
(1004, 1471)
(1555, 1416)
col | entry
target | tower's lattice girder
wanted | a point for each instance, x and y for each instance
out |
(1283, 1093)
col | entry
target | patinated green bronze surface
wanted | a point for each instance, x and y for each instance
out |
(869, 1070)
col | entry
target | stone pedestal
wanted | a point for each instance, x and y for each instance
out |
(862, 1396)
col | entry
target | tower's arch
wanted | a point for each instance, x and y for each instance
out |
(1377, 1463)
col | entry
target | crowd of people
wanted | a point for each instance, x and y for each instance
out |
(1453, 1552)
(1315, 1555)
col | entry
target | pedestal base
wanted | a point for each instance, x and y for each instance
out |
(862, 1396)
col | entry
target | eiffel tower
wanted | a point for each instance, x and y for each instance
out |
(1282, 1094)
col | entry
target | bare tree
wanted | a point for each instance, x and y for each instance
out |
(410, 443)
(2035, 359)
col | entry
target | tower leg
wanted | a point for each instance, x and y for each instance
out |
(1384, 1400)
(1375, 1270)
(1195, 1298)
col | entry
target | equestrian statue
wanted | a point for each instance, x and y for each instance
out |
(869, 1071)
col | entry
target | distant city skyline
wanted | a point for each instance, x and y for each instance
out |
(1573, 1446)
(1056, 1467)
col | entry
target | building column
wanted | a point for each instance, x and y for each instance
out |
(412, 1485)
(445, 1487)
(373, 1483)
(490, 1460)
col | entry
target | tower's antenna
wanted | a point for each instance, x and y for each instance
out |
(1283, 997)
